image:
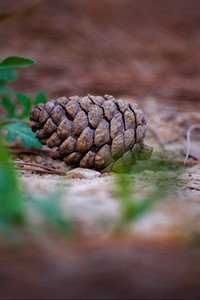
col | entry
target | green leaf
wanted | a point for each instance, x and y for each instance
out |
(25, 134)
(11, 208)
(14, 62)
(7, 75)
(25, 101)
(40, 98)
(9, 106)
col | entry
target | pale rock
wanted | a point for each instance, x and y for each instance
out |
(82, 173)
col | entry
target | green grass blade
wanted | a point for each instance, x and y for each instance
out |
(126, 200)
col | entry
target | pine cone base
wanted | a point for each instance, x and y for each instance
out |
(94, 132)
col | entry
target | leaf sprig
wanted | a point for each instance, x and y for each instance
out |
(14, 123)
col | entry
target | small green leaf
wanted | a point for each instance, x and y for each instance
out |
(25, 134)
(14, 62)
(25, 101)
(7, 75)
(9, 106)
(40, 98)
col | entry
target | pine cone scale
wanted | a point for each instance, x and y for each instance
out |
(64, 128)
(80, 123)
(85, 140)
(102, 134)
(116, 125)
(57, 113)
(95, 115)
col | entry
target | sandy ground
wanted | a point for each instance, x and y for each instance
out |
(91, 200)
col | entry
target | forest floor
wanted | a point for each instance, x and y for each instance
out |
(157, 254)
(90, 198)
(145, 52)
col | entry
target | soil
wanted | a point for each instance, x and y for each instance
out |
(145, 52)
(90, 198)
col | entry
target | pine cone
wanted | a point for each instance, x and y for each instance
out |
(94, 132)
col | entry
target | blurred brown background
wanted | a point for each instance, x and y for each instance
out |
(123, 47)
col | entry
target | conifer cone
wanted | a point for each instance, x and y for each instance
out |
(94, 132)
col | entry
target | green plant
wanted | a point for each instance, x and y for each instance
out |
(14, 124)
(132, 208)
(15, 204)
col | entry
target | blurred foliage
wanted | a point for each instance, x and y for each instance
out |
(16, 205)
(14, 124)
(132, 208)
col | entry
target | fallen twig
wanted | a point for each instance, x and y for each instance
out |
(39, 171)
(28, 151)
(36, 167)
